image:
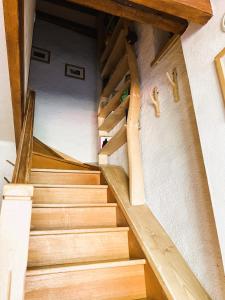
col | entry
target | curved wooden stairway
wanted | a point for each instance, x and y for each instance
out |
(80, 245)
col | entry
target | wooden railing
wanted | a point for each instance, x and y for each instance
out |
(119, 69)
(24, 153)
(16, 215)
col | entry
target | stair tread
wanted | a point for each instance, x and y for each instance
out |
(34, 271)
(56, 205)
(77, 231)
(83, 186)
(65, 171)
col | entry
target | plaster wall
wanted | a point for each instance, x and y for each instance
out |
(29, 18)
(65, 116)
(175, 180)
(200, 46)
(7, 140)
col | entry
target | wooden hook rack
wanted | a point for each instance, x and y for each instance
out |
(174, 83)
(154, 95)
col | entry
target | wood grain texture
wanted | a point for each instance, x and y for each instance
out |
(69, 194)
(111, 42)
(117, 75)
(40, 147)
(71, 217)
(115, 116)
(173, 273)
(115, 55)
(44, 161)
(136, 177)
(23, 160)
(115, 280)
(118, 140)
(114, 101)
(54, 177)
(199, 11)
(14, 39)
(14, 239)
(163, 22)
(77, 246)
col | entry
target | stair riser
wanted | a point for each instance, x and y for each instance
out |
(56, 249)
(70, 218)
(100, 284)
(69, 195)
(64, 178)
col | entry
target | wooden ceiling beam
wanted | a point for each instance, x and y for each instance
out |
(197, 11)
(164, 22)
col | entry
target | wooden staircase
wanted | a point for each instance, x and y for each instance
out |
(80, 244)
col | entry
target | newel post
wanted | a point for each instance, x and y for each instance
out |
(15, 221)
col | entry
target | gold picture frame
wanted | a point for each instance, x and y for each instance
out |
(220, 68)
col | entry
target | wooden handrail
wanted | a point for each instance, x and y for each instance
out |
(23, 160)
(136, 178)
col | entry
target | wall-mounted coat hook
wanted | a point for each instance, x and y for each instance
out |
(155, 101)
(174, 83)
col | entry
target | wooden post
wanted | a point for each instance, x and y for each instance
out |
(14, 239)
(136, 178)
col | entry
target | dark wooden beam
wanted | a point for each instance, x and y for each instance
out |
(73, 6)
(76, 27)
(158, 20)
(13, 16)
(198, 11)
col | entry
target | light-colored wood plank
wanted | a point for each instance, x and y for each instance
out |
(165, 49)
(69, 194)
(44, 161)
(118, 74)
(23, 160)
(114, 280)
(61, 177)
(199, 11)
(138, 14)
(42, 148)
(136, 178)
(116, 116)
(14, 238)
(173, 273)
(80, 245)
(115, 55)
(118, 140)
(114, 102)
(46, 218)
(112, 41)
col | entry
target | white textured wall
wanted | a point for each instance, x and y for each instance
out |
(65, 116)
(29, 15)
(200, 46)
(7, 140)
(175, 180)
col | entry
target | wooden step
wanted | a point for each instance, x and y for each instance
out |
(112, 41)
(117, 141)
(78, 245)
(119, 72)
(69, 194)
(115, 55)
(64, 216)
(110, 280)
(115, 116)
(114, 102)
(55, 176)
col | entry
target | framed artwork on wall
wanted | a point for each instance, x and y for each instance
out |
(220, 67)
(75, 71)
(40, 54)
